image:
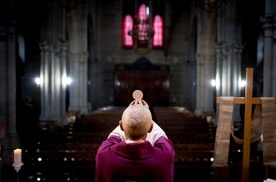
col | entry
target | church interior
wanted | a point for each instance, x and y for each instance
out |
(68, 69)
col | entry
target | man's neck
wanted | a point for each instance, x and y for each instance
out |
(135, 141)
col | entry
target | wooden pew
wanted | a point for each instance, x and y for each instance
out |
(69, 152)
(60, 166)
(193, 140)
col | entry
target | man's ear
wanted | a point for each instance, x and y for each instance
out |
(121, 125)
(151, 127)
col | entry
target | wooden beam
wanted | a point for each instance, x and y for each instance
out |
(248, 101)
(247, 124)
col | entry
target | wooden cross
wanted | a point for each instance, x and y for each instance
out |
(248, 100)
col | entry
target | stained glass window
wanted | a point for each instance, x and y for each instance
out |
(158, 37)
(127, 26)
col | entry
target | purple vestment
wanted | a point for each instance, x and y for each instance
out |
(117, 161)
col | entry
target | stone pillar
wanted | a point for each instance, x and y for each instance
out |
(8, 53)
(228, 53)
(11, 77)
(228, 70)
(78, 87)
(53, 69)
(205, 59)
(228, 73)
(205, 91)
(53, 87)
(3, 75)
(269, 61)
(78, 57)
(273, 68)
(268, 26)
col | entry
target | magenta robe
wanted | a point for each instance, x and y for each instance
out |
(117, 161)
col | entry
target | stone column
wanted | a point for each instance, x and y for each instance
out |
(228, 70)
(205, 91)
(78, 57)
(53, 70)
(3, 75)
(269, 61)
(228, 53)
(8, 53)
(11, 77)
(228, 73)
(78, 87)
(53, 87)
(205, 59)
(273, 68)
(268, 26)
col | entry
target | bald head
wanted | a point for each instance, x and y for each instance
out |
(136, 122)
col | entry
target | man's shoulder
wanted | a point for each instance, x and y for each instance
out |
(109, 142)
(166, 144)
(164, 139)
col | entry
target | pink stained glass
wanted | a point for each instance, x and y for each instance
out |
(158, 31)
(143, 24)
(142, 12)
(127, 26)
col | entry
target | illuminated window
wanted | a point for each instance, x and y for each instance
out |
(143, 23)
(138, 23)
(143, 12)
(158, 37)
(127, 26)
